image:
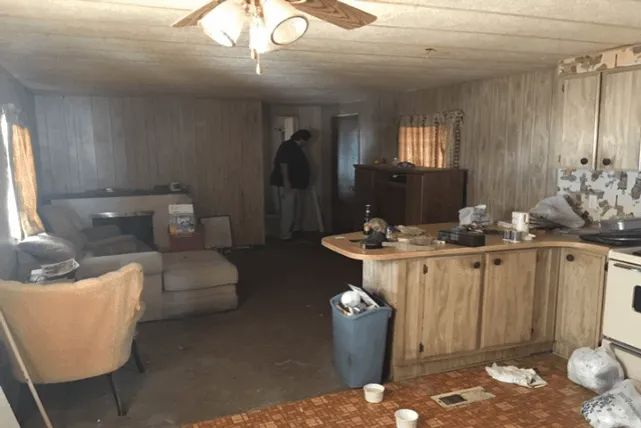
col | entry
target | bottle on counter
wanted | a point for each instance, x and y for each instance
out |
(367, 218)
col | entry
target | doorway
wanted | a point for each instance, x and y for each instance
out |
(346, 154)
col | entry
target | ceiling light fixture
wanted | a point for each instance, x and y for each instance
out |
(272, 24)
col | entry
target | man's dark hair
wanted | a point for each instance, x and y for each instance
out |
(301, 134)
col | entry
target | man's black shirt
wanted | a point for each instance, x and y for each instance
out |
(291, 154)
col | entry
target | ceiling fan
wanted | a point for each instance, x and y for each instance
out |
(272, 23)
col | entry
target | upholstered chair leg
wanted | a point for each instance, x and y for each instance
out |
(114, 390)
(137, 359)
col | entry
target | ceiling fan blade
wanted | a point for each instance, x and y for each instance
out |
(193, 17)
(336, 12)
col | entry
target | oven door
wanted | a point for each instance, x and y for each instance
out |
(622, 308)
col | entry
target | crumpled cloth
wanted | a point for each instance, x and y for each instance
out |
(512, 374)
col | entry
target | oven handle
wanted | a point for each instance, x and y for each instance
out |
(627, 267)
(618, 344)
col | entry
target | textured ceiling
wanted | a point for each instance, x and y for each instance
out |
(127, 46)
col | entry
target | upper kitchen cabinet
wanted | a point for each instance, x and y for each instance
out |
(619, 143)
(578, 98)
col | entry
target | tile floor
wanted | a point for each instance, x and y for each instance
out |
(554, 406)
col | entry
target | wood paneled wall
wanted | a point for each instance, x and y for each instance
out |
(214, 146)
(506, 134)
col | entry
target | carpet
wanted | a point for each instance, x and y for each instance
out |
(554, 406)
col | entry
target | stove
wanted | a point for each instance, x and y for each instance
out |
(622, 308)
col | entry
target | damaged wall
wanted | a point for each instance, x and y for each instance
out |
(626, 56)
(614, 193)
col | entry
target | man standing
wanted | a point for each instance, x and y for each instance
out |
(291, 176)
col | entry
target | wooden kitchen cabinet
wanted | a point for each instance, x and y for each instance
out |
(442, 306)
(457, 307)
(620, 121)
(577, 111)
(451, 304)
(580, 301)
(508, 297)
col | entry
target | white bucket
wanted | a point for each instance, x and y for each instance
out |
(374, 392)
(406, 418)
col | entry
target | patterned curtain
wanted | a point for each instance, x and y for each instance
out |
(24, 181)
(431, 140)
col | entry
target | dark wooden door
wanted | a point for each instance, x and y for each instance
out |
(346, 155)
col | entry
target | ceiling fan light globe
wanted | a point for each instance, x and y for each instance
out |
(289, 30)
(225, 23)
(284, 23)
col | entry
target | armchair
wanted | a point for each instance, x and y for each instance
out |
(76, 330)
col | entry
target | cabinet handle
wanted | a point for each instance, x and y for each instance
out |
(476, 265)
(606, 161)
(569, 258)
(424, 269)
(497, 262)
(584, 161)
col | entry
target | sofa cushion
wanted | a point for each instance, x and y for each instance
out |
(121, 244)
(47, 248)
(193, 270)
(150, 261)
(63, 222)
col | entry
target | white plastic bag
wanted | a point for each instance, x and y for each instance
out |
(512, 374)
(619, 407)
(557, 210)
(595, 369)
(473, 215)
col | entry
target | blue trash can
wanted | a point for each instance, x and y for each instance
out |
(359, 344)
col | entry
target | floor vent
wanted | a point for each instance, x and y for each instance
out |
(462, 397)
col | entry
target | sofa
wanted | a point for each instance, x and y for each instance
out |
(175, 284)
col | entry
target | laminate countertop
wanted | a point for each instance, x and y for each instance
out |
(344, 244)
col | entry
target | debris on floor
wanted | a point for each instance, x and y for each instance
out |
(619, 407)
(595, 369)
(512, 374)
(462, 397)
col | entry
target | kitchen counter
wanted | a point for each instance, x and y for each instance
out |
(344, 244)
(457, 306)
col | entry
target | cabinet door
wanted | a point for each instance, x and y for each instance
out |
(508, 297)
(620, 126)
(451, 305)
(577, 111)
(580, 302)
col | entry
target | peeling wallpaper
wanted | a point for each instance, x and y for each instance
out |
(614, 58)
(604, 194)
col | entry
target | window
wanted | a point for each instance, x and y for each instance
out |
(431, 140)
(8, 193)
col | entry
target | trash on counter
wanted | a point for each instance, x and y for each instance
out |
(619, 407)
(476, 215)
(512, 374)
(355, 301)
(556, 211)
(595, 369)
(375, 233)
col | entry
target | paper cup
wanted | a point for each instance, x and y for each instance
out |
(373, 392)
(406, 418)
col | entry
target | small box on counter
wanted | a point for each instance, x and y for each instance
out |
(468, 238)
